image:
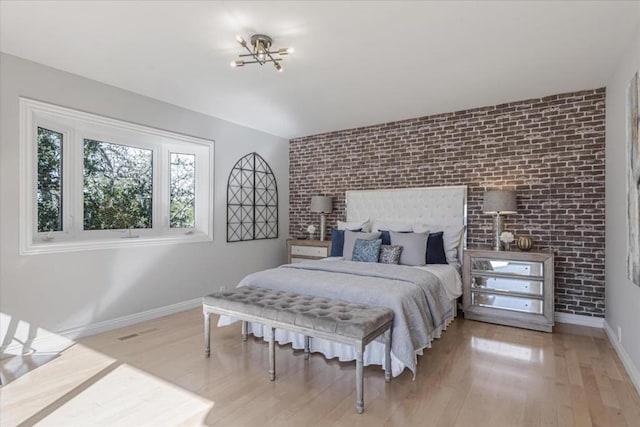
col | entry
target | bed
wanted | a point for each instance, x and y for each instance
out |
(423, 297)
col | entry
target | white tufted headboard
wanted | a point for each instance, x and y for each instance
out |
(445, 206)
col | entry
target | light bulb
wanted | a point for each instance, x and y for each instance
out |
(241, 41)
(285, 51)
(237, 64)
(278, 67)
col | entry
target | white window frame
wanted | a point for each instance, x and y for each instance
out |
(76, 126)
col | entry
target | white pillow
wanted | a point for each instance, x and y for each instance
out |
(354, 225)
(391, 226)
(452, 237)
(350, 241)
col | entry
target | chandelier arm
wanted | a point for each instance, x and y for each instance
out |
(257, 60)
(265, 61)
(248, 50)
(253, 55)
(271, 57)
(248, 54)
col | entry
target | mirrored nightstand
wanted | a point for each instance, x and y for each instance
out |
(510, 288)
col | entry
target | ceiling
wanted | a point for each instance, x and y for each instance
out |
(355, 63)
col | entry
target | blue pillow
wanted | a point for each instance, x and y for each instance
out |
(366, 250)
(337, 241)
(435, 249)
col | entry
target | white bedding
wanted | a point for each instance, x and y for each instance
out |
(449, 278)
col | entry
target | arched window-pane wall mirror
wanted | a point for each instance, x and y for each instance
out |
(252, 201)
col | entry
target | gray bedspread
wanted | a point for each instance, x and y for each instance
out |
(417, 298)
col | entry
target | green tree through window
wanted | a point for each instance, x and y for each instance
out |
(183, 191)
(49, 180)
(118, 186)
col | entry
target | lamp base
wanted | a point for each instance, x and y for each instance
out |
(497, 230)
(322, 227)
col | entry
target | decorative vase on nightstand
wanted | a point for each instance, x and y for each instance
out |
(524, 243)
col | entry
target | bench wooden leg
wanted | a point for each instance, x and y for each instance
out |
(387, 355)
(272, 355)
(359, 378)
(245, 334)
(306, 347)
(207, 335)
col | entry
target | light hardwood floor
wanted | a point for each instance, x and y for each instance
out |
(477, 374)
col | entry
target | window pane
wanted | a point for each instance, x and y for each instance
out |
(49, 180)
(118, 185)
(183, 191)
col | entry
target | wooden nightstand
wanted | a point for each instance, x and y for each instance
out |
(302, 250)
(509, 287)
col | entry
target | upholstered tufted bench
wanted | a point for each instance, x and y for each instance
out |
(334, 320)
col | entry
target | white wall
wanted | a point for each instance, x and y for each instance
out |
(622, 296)
(70, 290)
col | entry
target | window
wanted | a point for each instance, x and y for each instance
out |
(118, 186)
(183, 190)
(89, 181)
(49, 180)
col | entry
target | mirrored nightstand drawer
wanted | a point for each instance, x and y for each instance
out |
(525, 305)
(508, 284)
(509, 267)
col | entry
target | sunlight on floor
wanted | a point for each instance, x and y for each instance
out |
(507, 350)
(97, 390)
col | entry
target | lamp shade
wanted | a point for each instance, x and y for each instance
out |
(321, 204)
(499, 201)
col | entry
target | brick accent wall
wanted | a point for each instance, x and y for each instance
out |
(551, 150)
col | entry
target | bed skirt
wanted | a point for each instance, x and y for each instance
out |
(373, 354)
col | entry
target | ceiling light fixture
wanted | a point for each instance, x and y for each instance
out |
(260, 52)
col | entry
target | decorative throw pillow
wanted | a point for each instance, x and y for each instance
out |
(350, 241)
(435, 249)
(337, 241)
(414, 247)
(390, 254)
(366, 250)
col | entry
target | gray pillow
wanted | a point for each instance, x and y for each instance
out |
(414, 247)
(389, 254)
(350, 241)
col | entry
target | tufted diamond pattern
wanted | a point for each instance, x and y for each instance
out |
(317, 313)
(445, 206)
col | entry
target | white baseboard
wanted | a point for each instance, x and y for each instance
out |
(54, 342)
(131, 319)
(632, 370)
(576, 319)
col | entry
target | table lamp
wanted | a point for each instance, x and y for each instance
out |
(498, 203)
(321, 205)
